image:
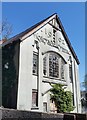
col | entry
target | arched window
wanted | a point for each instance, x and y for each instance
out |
(53, 65)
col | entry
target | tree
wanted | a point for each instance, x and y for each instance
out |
(63, 99)
(5, 29)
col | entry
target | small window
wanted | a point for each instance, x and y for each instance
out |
(54, 31)
(44, 66)
(35, 64)
(73, 99)
(45, 107)
(62, 69)
(70, 72)
(34, 98)
(54, 35)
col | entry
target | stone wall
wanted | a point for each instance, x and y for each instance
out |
(11, 114)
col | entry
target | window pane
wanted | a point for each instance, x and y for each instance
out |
(44, 66)
(70, 72)
(34, 98)
(73, 100)
(62, 69)
(45, 107)
(53, 65)
(35, 63)
(54, 31)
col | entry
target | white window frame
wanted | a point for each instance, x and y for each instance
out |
(35, 73)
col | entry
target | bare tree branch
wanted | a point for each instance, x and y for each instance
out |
(5, 29)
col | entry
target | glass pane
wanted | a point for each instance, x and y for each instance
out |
(70, 72)
(44, 66)
(45, 107)
(62, 69)
(35, 63)
(53, 65)
(34, 98)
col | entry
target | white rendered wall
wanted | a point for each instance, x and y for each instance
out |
(27, 81)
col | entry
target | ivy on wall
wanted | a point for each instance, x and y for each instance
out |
(63, 99)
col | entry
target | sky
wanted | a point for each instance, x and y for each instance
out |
(23, 15)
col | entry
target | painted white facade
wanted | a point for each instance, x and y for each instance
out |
(41, 42)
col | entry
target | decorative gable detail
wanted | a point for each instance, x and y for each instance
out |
(49, 35)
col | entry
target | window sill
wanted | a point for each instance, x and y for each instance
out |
(54, 78)
(53, 81)
(35, 74)
(34, 108)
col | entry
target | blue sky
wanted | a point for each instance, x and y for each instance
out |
(72, 15)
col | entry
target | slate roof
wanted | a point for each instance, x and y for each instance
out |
(18, 36)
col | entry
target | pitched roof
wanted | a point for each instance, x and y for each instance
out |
(18, 36)
(41, 24)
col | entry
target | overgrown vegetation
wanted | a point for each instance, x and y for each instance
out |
(63, 99)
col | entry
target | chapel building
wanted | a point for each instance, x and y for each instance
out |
(40, 56)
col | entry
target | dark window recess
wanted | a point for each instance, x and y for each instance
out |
(44, 66)
(34, 98)
(73, 100)
(54, 31)
(62, 69)
(44, 106)
(35, 64)
(70, 73)
(53, 65)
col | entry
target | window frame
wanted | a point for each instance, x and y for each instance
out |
(70, 73)
(59, 63)
(54, 68)
(36, 73)
(45, 65)
(36, 101)
(62, 72)
(45, 106)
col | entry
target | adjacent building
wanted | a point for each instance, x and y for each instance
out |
(84, 101)
(34, 59)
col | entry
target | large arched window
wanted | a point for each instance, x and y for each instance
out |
(53, 65)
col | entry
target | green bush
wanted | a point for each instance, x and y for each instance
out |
(63, 99)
